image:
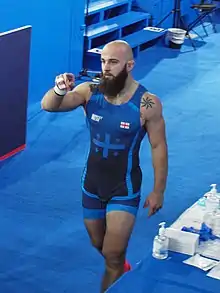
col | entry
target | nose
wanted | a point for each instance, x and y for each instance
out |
(106, 67)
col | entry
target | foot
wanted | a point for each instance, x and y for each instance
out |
(127, 266)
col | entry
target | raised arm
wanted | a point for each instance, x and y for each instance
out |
(64, 96)
(151, 110)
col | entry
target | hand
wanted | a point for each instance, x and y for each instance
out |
(64, 82)
(154, 202)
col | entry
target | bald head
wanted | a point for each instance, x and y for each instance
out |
(119, 48)
(117, 63)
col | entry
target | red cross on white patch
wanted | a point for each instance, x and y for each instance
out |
(125, 125)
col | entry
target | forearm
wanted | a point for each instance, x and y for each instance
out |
(51, 101)
(160, 164)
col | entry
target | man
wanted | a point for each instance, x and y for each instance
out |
(119, 112)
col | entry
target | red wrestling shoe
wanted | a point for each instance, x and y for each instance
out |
(127, 266)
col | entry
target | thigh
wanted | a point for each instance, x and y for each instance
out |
(96, 231)
(94, 213)
(119, 226)
(120, 220)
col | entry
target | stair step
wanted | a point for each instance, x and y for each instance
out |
(138, 38)
(115, 23)
(143, 36)
(138, 41)
(101, 5)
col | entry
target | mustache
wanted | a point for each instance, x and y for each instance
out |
(103, 75)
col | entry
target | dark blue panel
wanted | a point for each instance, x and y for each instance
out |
(54, 23)
(14, 73)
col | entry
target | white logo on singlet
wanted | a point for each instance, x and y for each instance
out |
(96, 118)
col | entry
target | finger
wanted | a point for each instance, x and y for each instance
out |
(69, 79)
(151, 211)
(70, 76)
(66, 79)
(157, 209)
(146, 204)
(72, 82)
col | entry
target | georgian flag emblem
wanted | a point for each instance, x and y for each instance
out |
(125, 125)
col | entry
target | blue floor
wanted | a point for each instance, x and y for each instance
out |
(43, 245)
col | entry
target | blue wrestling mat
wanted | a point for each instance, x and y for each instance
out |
(165, 276)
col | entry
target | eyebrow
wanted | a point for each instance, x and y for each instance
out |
(111, 59)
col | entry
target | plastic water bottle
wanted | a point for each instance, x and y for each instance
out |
(211, 206)
(212, 200)
(202, 201)
(161, 243)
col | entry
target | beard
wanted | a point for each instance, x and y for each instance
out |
(111, 87)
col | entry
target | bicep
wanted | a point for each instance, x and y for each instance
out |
(75, 98)
(71, 101)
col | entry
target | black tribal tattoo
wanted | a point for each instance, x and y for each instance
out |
(147, 103)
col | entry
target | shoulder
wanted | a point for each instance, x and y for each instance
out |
(151, 106)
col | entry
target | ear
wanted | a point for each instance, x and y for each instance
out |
(130, 65)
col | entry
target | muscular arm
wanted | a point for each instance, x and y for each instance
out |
(52, 102)
(151, 109)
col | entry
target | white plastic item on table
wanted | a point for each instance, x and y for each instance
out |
(182, 242)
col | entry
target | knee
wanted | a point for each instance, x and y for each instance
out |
(114, 258)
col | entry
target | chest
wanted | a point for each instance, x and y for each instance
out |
(122, 120)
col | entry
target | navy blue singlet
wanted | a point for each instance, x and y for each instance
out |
(112, 167)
